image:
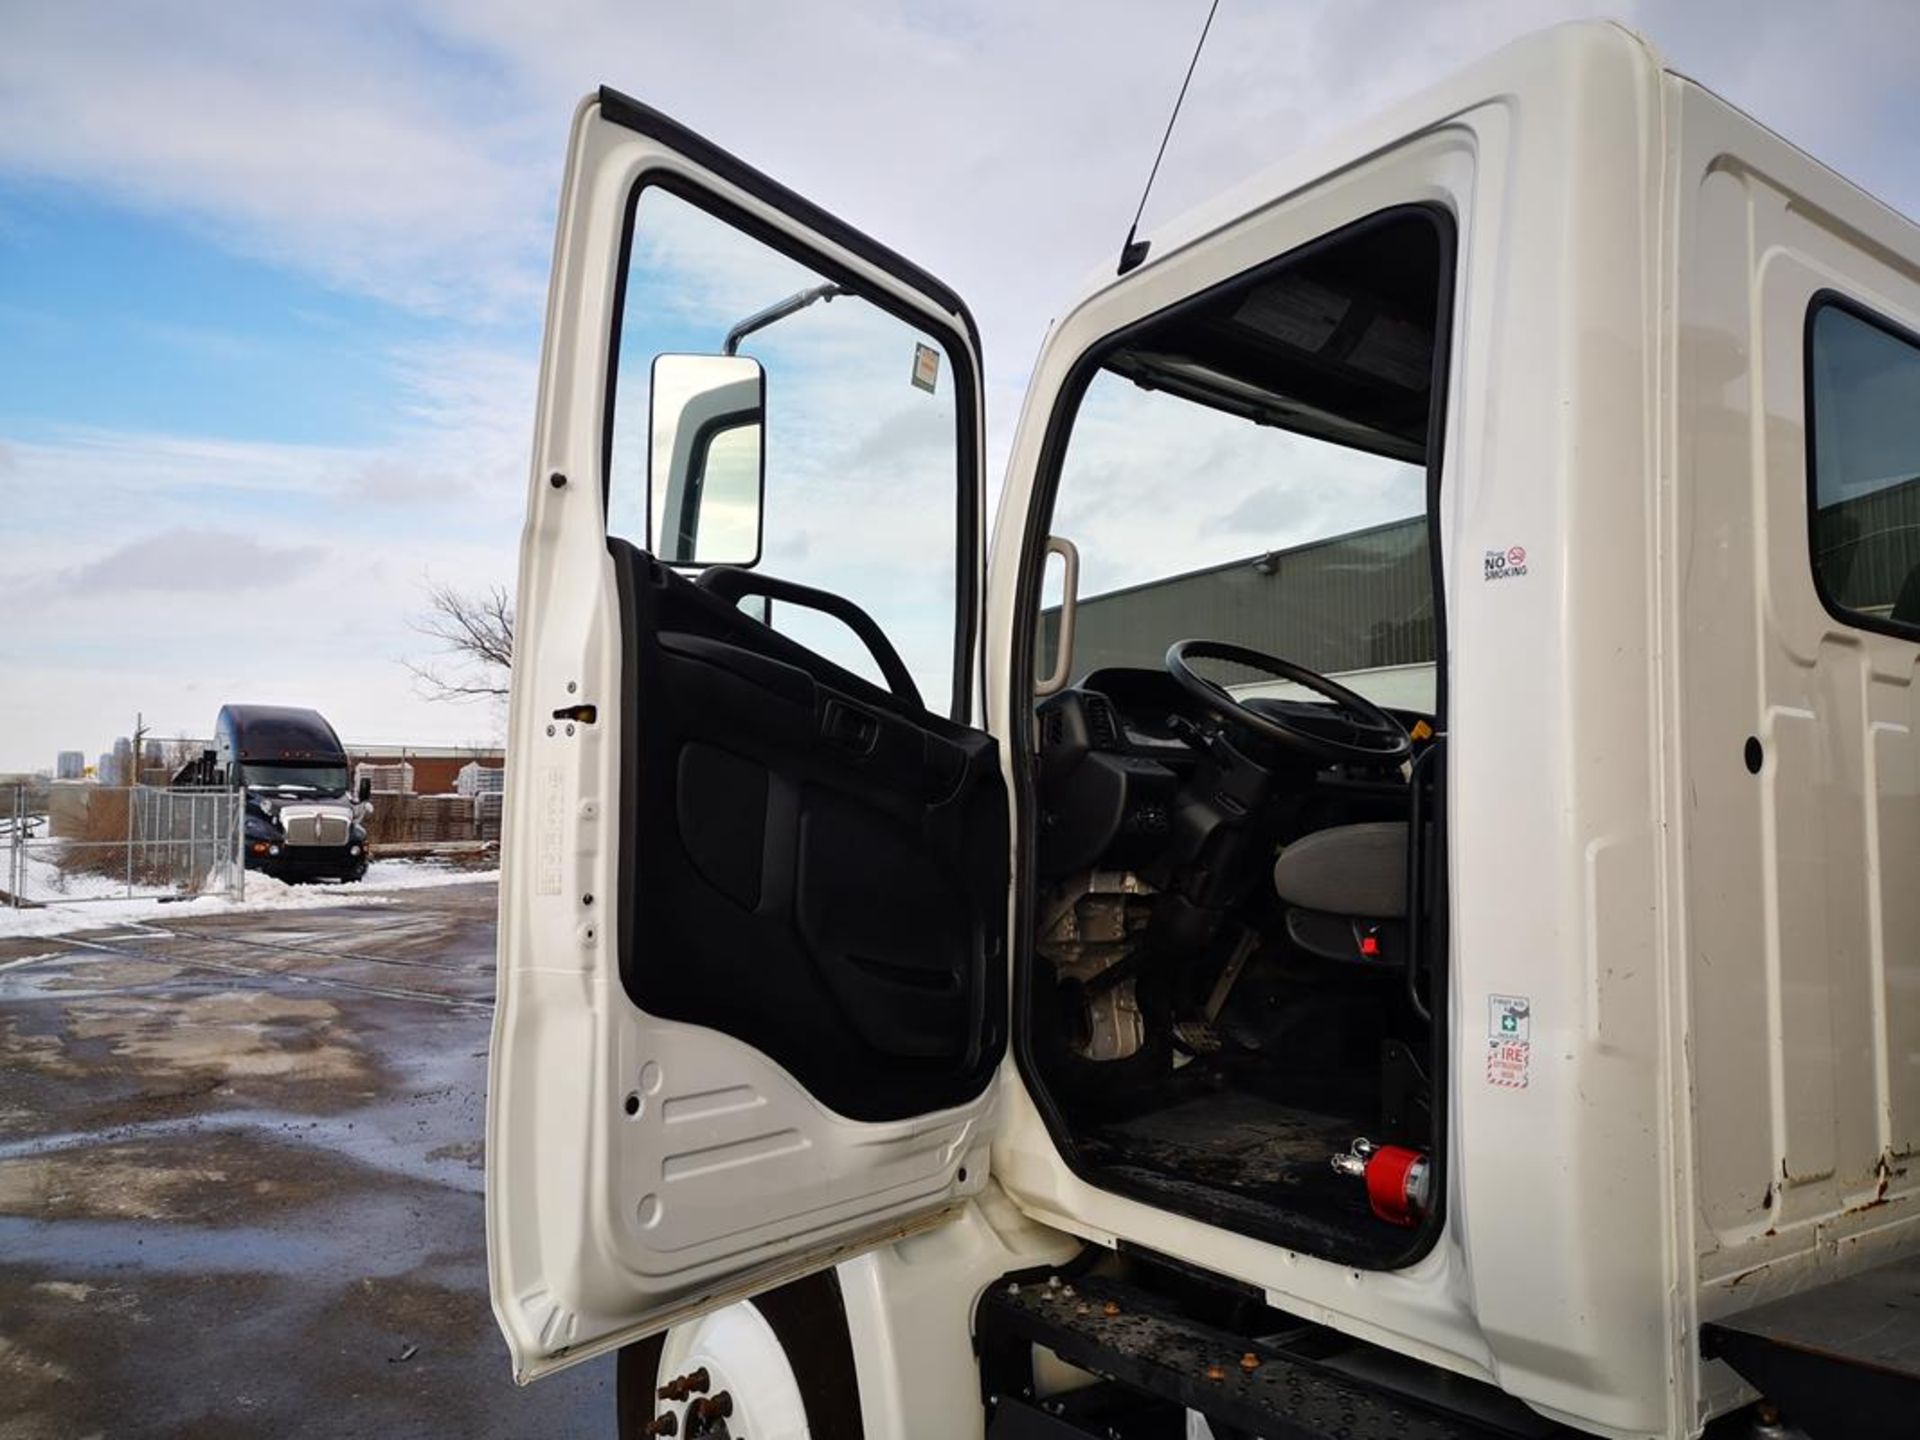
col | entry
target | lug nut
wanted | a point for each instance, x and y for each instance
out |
(1110, 1309)
(667, 1424)
(711, 1407)
(693, 1383)
(1249, 1362)
(1214, 1372)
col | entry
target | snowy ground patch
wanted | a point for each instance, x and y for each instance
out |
(263, 893)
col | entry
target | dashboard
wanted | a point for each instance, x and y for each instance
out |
(1118, 755)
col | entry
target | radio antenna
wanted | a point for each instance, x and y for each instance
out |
(1133, 251)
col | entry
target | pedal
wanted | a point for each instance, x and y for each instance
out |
(1197, 1037)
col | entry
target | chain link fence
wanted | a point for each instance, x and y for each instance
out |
(68, 844)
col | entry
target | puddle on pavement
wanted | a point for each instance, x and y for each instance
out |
(25, 1375)
(227, 1037)
(105, 975)
(204, 1179)
(240, 1033)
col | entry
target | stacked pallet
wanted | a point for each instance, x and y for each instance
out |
(487, 810)
(397, 778)
(476, 778)
(438, 818)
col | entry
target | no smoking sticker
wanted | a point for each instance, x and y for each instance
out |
(1507, 564)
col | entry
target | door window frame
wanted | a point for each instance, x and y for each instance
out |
(961, 343)
(1055, 442)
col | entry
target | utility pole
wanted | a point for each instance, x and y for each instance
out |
(133, 790)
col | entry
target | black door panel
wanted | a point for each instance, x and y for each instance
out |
(809, 863)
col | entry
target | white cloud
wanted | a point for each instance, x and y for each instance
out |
(194, 561)
(173, 573)
(336, 138)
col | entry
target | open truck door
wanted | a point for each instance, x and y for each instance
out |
(752, 986)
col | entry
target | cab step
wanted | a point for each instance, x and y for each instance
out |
(1840, 1360)
(1292, 1382)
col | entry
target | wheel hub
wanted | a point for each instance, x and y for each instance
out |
(726, 1376)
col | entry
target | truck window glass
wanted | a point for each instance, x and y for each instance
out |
(860, 433)
(1254, 472)
(1863, 409)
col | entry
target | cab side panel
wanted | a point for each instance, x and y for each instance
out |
(1801, 810)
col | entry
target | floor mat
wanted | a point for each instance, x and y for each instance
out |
(1265, 1165)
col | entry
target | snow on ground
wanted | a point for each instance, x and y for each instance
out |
(46, 882)
(262, 892)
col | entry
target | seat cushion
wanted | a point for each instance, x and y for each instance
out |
(1355, 870)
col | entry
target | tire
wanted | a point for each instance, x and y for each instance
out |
(809, 1319)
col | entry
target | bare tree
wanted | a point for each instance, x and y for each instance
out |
(475, 632)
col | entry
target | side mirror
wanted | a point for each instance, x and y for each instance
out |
(365, 791)
(706, 459)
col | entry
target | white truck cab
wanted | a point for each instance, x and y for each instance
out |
(1412, 929)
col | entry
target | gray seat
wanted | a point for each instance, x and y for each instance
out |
(1359, 871)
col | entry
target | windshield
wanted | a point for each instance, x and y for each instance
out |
(1252, 469)
(321, 779)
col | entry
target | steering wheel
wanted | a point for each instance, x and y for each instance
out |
(1368, 719)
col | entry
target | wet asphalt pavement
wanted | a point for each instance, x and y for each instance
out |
(240, 1184)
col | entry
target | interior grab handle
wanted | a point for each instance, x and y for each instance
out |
(1069, 554)
(730, 583)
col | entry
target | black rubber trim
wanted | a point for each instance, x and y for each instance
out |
(1828, 299)
(1032, 563)
(635, 115)
(966, 358)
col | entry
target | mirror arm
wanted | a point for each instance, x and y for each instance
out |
(779, 310)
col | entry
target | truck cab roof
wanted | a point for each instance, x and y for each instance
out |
(279, 732)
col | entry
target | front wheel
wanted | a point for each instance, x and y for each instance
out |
(777, 1367)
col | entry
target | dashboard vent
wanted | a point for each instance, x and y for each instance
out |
(1101, 724)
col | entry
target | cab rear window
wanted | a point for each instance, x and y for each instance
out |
(1863, 416)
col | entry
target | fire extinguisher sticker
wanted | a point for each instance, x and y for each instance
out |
(1509, 1040)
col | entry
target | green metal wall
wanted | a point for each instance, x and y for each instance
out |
(1350, 602)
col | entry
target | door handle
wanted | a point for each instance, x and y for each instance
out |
(849, 727)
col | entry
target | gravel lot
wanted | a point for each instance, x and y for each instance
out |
(240, 1181)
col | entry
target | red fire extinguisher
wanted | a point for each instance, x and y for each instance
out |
(1399, 1181)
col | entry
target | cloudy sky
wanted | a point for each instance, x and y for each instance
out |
(271, 275)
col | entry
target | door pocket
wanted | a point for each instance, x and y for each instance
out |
(721, 800)
(893, 938)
